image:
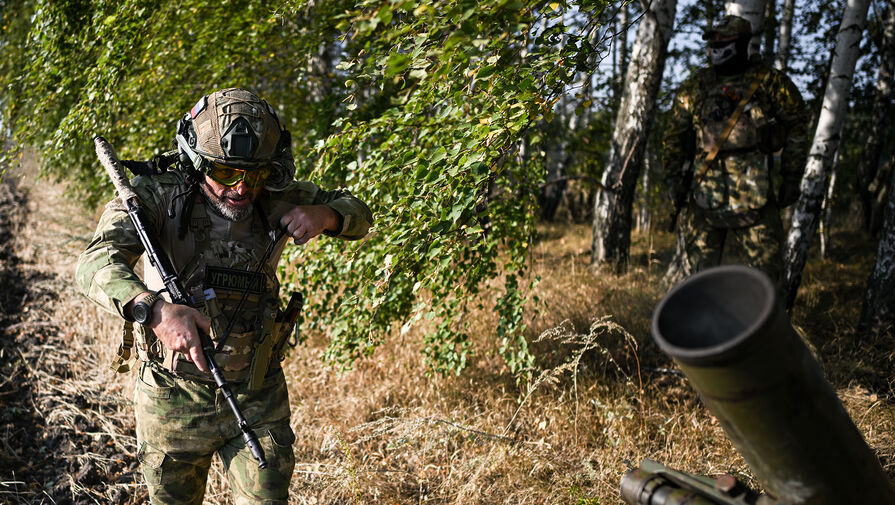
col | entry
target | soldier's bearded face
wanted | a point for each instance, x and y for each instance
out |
(231, 202)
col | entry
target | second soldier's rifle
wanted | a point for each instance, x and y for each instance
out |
(680, 199)
(172, 283)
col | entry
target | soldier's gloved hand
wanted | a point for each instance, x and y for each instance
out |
(305, 222)
(178, 326)
(788, 194)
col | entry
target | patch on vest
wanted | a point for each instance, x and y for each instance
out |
(234, 280)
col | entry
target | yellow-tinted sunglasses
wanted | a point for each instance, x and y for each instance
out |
(230, 176)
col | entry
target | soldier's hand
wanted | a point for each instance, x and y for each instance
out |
(178, 327)
(305, 222)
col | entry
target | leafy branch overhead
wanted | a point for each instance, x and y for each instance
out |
(419, 108)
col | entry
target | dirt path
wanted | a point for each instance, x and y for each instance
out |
(66, 434)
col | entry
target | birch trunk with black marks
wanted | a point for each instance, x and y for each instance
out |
(827, 210)
(878, 312)
(613, 209)
(806, 211)
(784, 35)
(643, 217)
(753, 11)
(868, 167)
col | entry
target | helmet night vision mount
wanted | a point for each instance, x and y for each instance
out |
(237, 128)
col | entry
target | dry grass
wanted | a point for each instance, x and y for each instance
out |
(603, 397)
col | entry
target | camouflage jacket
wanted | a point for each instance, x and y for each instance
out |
(741, 179)
(214, 253)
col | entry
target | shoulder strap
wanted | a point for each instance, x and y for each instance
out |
(122, 361)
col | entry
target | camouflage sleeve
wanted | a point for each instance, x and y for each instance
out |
(356, 216)
(105, 270)
(677, 134)
(791, 113)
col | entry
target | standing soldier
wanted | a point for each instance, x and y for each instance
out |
(728, 122)
(216, 217)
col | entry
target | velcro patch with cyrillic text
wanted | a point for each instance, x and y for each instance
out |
(234, 280)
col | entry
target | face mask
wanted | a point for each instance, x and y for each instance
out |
(722, 52)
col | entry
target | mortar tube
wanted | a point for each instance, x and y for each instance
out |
(727, 331)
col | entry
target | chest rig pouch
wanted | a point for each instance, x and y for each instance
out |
(241, 300)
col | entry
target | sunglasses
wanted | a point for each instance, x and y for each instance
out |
(230, 176)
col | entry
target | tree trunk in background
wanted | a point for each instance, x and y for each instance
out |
(824, 147)
(752, 10)
(643, 217)
(869, 164)
(622, 43)
(612, 210)
(561, 157)
(878, 312)
(827, 210)
(770, 31)
(781, 60)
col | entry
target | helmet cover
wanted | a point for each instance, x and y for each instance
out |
(729, 27)
(235, 127)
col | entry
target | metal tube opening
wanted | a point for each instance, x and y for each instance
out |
(713, 312)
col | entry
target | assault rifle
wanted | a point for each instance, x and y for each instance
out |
(680, 199)
(728, 333)
(173, 286)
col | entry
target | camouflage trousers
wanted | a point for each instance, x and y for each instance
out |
(181, 423)
(701, 245)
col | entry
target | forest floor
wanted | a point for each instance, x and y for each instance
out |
(603, 397)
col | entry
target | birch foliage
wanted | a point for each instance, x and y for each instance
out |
(418, 108)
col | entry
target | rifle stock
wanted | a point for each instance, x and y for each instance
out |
(688, 143)
(160, 261)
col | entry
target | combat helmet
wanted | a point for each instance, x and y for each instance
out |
(237, 128)
(729, 27)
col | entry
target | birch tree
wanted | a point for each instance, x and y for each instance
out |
(613, 205)
(784, 35)
(878, 312)
(869, 164)
(754, 12)
(823, 148)
(621, 48)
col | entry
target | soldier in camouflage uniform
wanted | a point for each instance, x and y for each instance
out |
(216, 217)
(729, 197)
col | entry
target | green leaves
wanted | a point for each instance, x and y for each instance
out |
(418, 107)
